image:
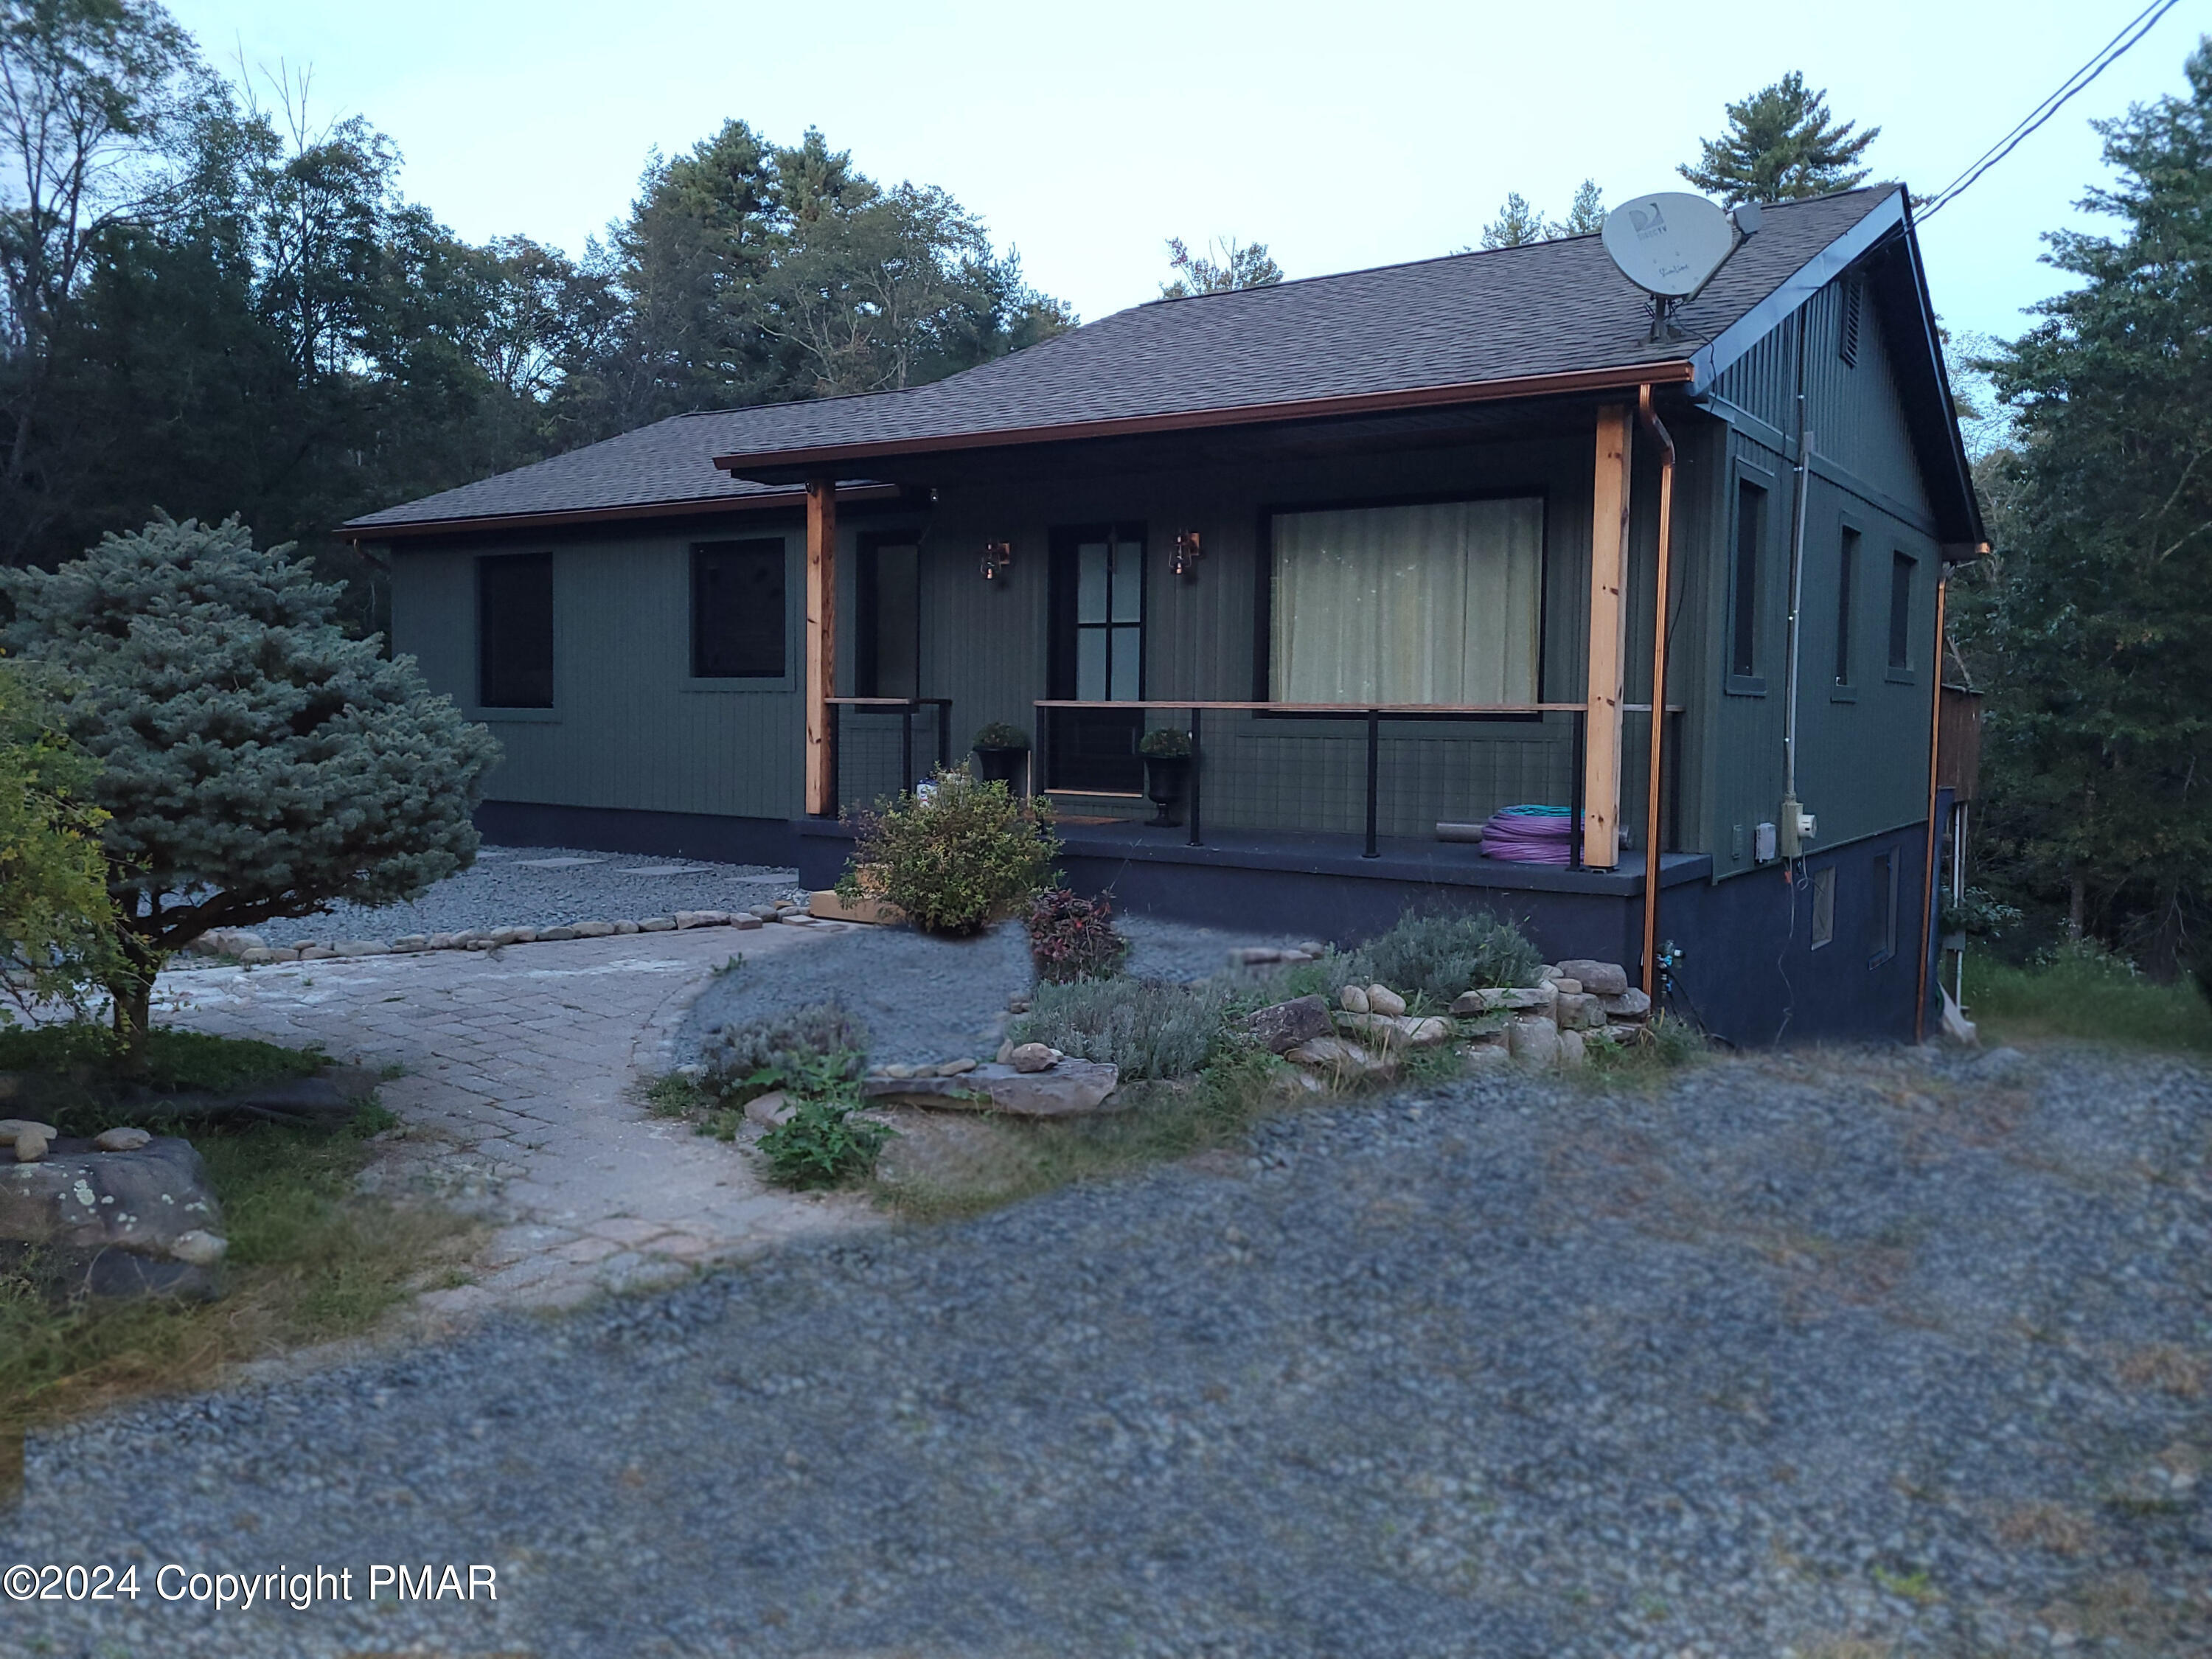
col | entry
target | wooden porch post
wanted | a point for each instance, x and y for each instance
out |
(1608, 640)
(821, 646)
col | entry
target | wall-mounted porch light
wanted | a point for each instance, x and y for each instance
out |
(1187, 552)
(998, 560)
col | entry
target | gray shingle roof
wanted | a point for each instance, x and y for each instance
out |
(1548, 308)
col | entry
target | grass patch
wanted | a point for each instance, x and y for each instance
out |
(311, 1260)
(178, 1061)
(1006, 1159)
(2086, 993)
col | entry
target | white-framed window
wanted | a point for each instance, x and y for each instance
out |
(1437, 603)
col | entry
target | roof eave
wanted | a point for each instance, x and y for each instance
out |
(359, 530)
(777, 466)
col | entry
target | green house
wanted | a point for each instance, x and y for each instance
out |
(1385, 546)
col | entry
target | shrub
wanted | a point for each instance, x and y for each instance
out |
(1165, 743)
(54, 909)
(760, 1053)
(1441, 956)
(963, 857)
(1148, 1028)
(254, 762)
(1072, 937)
(1000, 735)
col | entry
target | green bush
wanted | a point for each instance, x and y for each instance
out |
(1000, 735)
(1441, 956)
(776, 1049)
(1165, 743)
(1148, 1028)
(55, 914)
(955, 859)
(825, 1141)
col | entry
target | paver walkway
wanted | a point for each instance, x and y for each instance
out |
(518, 1099)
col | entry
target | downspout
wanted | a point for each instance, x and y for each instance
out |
(1928, 865)
(1651, 423)
(1790, 845)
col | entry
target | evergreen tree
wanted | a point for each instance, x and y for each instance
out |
(1517, 224)
(2092, 630)
(1781, 143)
(254, 762)
(1585, 213)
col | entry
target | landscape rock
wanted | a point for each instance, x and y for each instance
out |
(771, 1110)
(1347, 1061)
(1576, 1011)
(114, 1223)
(1566, 986)
(657, 925)
(444, 941)
(315, 953)
(363, 947)
(408, 944)
(625, 928)
(1399, 1031)
(690, 918)
(1487, 1056)
(1572, 1051)
(121, 1140)
(1033, 1057)
(12, 1127)
(549, 935)
(505, 936)
(959, 1068)
(594, 929)
(1354, 998)
(198, 1247)
(1071, 1089)
(1631, 1004)
(1604, 979)
(1533, 1040)
(1382, 999)
(30, 1145)
(1285, 1024)
(1503, 999)
(742, 921)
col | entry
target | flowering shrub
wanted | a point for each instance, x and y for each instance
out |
(957, 857)
(1072, 937)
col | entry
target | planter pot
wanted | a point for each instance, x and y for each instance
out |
(1166, 779)
(1002, 766)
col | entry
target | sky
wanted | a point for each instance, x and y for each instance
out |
(1340, 134)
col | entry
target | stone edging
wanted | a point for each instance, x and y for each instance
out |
(250, 949)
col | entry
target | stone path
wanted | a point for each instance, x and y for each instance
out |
(518, 1100)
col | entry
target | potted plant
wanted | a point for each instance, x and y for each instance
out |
(999, 751)
(1167, 772)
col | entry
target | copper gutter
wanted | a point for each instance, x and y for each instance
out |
(1935, 762)
(789, 500)
(1651, 423)
(1303, 409)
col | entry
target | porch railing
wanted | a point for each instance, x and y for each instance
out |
(940, 711)
(1372, 713)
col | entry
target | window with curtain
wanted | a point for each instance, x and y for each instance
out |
(1440, 604)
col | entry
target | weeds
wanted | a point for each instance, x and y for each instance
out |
(753, 1055)
(826, 1141)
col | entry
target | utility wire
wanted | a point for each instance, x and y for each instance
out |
(2110, 53)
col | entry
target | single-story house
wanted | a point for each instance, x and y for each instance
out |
(1388, 546)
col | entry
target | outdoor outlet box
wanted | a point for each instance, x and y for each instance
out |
(1762, 843)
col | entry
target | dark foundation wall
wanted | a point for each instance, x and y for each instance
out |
(615, 830)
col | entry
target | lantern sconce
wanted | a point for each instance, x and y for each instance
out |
(998, 560)
(1187, 553)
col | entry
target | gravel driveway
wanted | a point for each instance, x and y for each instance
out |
(1792, 1351)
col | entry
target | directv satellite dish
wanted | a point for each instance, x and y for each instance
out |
(1669, 245)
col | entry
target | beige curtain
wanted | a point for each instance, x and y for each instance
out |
(1434, 604)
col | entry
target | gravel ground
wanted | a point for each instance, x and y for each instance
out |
(924, 999)
(1789, 1353)
(503, 891)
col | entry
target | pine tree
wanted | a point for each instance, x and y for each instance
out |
(1516, 225)
(2092, 628)
(1585, 213)
(1781, 143)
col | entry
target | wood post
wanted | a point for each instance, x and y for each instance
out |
(821, 646)
(1608, 639)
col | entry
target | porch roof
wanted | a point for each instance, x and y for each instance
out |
(1546, 317)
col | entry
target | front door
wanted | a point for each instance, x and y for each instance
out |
(1097, 656)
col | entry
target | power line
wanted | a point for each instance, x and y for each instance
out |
(2105, 56)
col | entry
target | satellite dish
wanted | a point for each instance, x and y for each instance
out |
(1670, 244)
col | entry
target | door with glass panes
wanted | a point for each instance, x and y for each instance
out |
(1097, 656)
